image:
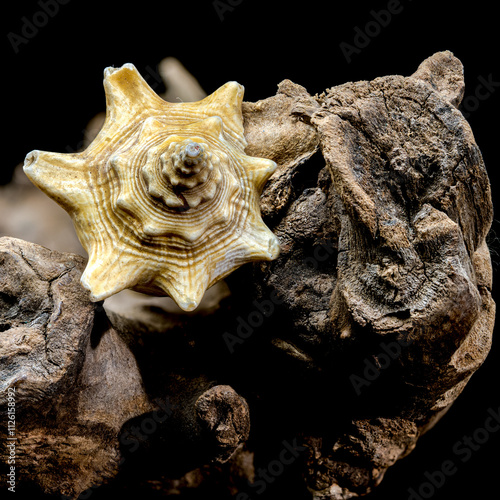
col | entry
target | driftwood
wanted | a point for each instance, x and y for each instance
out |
(381, 204)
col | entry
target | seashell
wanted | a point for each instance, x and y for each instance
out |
(164, 200)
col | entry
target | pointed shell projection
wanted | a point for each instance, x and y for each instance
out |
(164, 200)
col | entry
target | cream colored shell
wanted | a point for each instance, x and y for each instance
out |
(164, 200)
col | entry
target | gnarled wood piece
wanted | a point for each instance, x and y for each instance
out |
(84, 404)
(384, 267)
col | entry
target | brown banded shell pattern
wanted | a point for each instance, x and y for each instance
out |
(164, 200)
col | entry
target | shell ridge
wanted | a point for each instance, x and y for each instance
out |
(42, 166)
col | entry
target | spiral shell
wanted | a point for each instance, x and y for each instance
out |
(164, 200)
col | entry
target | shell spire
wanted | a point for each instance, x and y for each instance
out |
(164, 200)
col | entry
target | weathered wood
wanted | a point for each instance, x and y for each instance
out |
(384, 273)
(83, 401)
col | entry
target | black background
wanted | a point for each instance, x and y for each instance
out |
(53, 87)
